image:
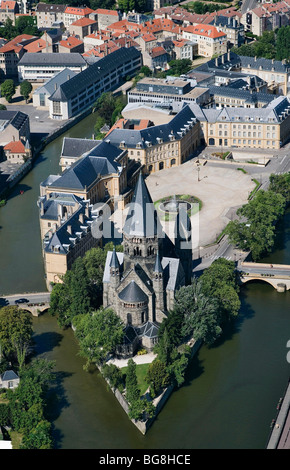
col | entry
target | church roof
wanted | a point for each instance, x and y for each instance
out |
(114, 260)
(142, 218)
(149, 329)
(133, 293)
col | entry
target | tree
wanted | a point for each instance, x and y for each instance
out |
(15, 332)
(178, 365)
(98, 334)
(132, 390)
(25, 89)
(8, 89)
(281, 184)
(157, 377)
(3, 107)
(179, 67)
(39, 437)
(255, 229)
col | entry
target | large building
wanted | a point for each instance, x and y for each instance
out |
(140, 283)
(210, 40)
(162, 146)
(263, 128)
(37, 67)
(170, 93)
(96, 174)
(81, 91)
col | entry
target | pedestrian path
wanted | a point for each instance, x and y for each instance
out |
(141, 359)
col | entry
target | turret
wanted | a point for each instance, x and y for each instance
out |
(114, 270)
(158, 286)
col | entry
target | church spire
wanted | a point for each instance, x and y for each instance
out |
(141, 220)
(114, 260)
(158, 266)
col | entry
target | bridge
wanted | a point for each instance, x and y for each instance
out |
(278, 275)
(35, 303)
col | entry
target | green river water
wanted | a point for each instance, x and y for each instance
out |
(231, 390)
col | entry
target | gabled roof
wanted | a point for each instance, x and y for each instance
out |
(16, 146)
(75, 147)
(206, 31)
(73, 59)
(78, 11)
(83, 22)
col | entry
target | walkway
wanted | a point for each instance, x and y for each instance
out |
(142, 359)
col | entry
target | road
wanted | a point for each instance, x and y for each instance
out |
(33, 298)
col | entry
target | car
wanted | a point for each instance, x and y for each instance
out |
(21, 301)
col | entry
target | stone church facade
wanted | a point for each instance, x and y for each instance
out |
(139, 284)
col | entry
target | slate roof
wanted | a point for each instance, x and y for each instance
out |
(114, 263)
(133, 293)
(120, 256)
(56, 80)
(87, 169)
(141, 219)
(9, 375)
(149, 329)
(50, 8)
(144, 137)
(15, 118)
(75, 147)
(51, 204)
(96, 71)
(73, 59)
(241, 94)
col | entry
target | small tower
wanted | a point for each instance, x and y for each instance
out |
(183, 243)
(158, 286)
(114, 270)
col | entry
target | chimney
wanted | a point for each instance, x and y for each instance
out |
(223, 58)
(68, 77)
(216, 61)
(229, 56)
(55, 86)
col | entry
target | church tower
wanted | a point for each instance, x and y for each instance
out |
(114, 270)
(142, 231)
(158, 286)
(183, 243)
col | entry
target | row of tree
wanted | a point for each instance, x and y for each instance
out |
(24, 409)
(8, 89)
(255, 228)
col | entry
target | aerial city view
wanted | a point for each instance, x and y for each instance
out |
(144, 227)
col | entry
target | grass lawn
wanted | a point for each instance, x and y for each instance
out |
(141, 371)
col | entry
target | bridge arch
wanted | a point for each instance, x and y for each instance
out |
(259, 279)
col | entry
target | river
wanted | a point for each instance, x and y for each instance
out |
(231, 390)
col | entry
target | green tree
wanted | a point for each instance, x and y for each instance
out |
(146, 71)
(281, 184)
(179, 67)
(257, 232)
(132, 390)
(15, 332)
(98, 334)
(8, 31)
(178, 365)
(157, 377)
(25, 89)
(8, 89)
(38, 437)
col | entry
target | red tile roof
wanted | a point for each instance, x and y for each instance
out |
(70, 42)
(102, 11)
(157, 51)
(15, 44)
(15, 147)
(205, 30)
(83, 22)
(35, 46)
(7, 4)
(78, 11)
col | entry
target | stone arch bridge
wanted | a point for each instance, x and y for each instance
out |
(35, 303)
(278, 275)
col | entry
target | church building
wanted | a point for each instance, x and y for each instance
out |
(139, 284)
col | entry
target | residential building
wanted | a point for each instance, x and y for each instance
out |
(106, 17)
(83, 27)
(140, 283)
(71, 45)
(161, 146)
(232, 27)
(17, 151)
(264, 128)
(36, 67)
(47, 14)
(170, 93)
(81, 91)
(72, 14)
(12, 52)
(156, 58)
(267, 17)
(9, 379)
(14, 127)
(8, 9)
(210, 41)
(185, 49)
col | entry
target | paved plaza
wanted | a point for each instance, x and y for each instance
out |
(221, 189)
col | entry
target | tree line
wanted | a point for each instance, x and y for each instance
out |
(255, 228)
(271, 45)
